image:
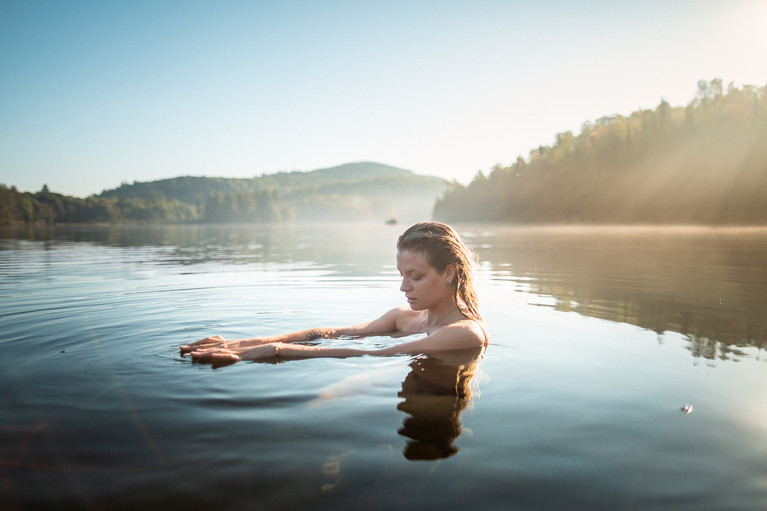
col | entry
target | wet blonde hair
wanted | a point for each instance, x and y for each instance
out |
(442, 246)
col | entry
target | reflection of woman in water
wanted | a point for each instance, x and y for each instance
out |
(435, 392)
(435, 266)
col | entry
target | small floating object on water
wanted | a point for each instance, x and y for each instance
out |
(391, 221)
(687, 408)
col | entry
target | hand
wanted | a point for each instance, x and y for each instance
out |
(209, 342)
(215, 355)
(224, 354)
(218, 342)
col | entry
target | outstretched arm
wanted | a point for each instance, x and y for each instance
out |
(461, 335)
(386, 323)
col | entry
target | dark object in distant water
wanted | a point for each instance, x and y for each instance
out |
(391, 221)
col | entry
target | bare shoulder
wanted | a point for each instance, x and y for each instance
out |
(459, 335)
(468, 330)
(407, 320)
(403, 310)
(396, 319)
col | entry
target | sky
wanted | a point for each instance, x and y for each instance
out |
(98, 93)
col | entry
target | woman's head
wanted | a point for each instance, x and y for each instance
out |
(442, 247)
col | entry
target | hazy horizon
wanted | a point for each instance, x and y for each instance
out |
(95, 94)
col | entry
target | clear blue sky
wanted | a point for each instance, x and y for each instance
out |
(95, 93)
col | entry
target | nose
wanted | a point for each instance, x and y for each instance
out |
(404, 287)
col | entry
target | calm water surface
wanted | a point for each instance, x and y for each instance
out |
(600, 337)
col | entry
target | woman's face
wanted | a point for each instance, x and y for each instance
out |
(424, 287)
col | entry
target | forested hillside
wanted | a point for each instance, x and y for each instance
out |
(355, 191)
(46, 207)
(705, 163)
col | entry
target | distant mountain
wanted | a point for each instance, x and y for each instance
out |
(353, 191)
(191, 189)
(352, 172)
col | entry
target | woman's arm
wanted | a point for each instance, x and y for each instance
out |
(461, 335)
(274, 350)
(388, 322)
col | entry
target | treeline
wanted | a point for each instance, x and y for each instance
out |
(356, 191)
(705, 163)
(46, 207)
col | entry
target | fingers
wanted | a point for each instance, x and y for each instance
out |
(216, 339)
(197, 352)
(188, 348)
(215, 355)
(211, 349)
(208, 342)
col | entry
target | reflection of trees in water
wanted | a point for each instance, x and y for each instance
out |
(702, 347)
(709, 285)
(712, 333)
(434, 393)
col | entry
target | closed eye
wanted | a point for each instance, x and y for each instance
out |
(411, 275)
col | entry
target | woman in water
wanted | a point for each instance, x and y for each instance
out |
(436, 270)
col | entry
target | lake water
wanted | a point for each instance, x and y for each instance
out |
(600, 336)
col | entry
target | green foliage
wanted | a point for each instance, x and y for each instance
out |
(355, 191)
(45, 207)
(705, 163)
